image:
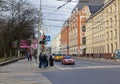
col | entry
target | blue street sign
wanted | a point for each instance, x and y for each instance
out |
(47, 38)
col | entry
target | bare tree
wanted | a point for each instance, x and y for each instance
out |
(19, 24)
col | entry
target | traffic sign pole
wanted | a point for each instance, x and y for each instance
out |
(39, 33)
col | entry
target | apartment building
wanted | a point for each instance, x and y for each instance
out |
(64, 39)
(103, 30)
(76, 21)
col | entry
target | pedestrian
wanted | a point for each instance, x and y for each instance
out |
(51, 61)
(28, 56)
(100, 55)
(47, 60)
(44, 60)
(40, 60)
(112, 55)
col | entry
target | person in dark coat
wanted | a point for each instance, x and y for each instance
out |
(40, 60)
(44, 60)
(51, 60)
(30, 57)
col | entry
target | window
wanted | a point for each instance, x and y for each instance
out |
(115, 7)
(84, 41)
(111, 34)
(83, 29)
(107, 36)
(115, 33)
(116, 45)
(111, 10)
(106, 13)
(111, 47)
(115, 21)
(108, 48)
(110, 22)
(107, 23)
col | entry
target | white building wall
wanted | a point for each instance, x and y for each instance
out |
(56, 44)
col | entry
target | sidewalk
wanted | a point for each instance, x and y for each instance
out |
(116, 61)
(23, 72)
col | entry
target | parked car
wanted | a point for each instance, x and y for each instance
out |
(68, 60)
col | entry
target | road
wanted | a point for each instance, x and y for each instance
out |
(85, 72)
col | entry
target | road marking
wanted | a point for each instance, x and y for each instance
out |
(88, 67)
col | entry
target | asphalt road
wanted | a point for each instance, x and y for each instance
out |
(85, 72)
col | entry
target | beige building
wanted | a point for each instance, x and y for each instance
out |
(103, 29)
(75, 23)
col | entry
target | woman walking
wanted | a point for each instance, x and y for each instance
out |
(51, 61)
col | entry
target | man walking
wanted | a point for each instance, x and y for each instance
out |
(43, 60)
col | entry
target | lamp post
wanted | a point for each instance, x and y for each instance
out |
(39, 32)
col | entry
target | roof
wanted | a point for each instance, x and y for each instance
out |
(94, 8)
(83, 3)
(101, 8)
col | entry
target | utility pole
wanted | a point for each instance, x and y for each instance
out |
(39, 33)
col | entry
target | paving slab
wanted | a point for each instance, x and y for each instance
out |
(23, 72)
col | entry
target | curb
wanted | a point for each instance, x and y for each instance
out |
(102, 60)
(10, 61)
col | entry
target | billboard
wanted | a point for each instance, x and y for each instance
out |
(24, 44)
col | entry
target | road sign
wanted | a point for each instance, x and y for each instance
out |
(47, 38)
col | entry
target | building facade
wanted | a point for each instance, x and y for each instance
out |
(76, 21)
(73, 35)
(76, 37)
(103, 29)
(56, 44)
(64, 39)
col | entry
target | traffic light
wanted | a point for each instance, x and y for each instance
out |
(43, 40)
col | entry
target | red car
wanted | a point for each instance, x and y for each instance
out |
(68, 60)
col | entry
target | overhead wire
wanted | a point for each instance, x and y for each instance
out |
(53, 8)
(57, 8)
(63, 20)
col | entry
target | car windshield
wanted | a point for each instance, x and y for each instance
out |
(58, 55)
(67, 57)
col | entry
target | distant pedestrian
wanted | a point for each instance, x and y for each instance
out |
(51, 61)
(92, 55)
(112, 55)
(100, 55)
(28, 56)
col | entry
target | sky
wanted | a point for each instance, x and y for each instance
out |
(53, 18)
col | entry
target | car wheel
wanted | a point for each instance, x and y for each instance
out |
(73, 63)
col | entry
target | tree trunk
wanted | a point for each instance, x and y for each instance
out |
(5, 56)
